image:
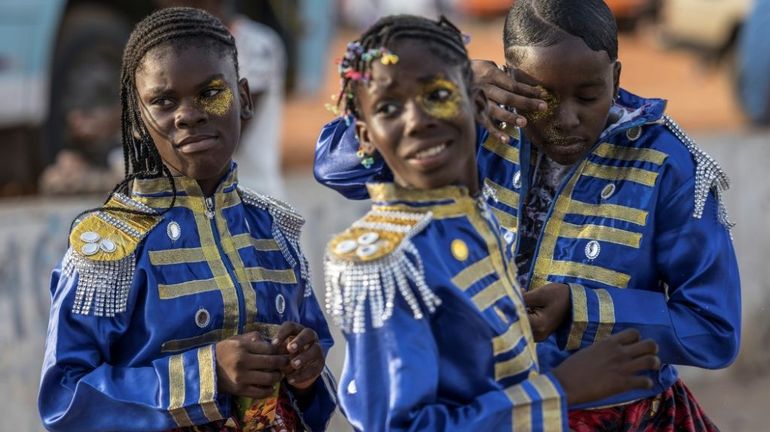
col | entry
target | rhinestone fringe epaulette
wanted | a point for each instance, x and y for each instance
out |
(354, 287)
(286, 230)
(103, 286)
(708, 175)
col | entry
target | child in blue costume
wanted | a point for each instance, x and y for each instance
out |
(613, 213)
(185, 294)
(422, 286)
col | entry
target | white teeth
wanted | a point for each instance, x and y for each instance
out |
(433, 151)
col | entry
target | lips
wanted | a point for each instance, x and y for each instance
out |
(197, 143)
(428, 156)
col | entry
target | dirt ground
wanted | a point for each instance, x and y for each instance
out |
(700, 98)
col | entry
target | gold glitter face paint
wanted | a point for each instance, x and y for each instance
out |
(218, 104)
(550, 99)
(441, 99)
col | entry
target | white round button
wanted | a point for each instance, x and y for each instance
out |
(367, 250)
(368, 238)
(593, 248)
(202, 318)
(108, 245)
(345, 246)
(280, 303)
(634, 133)
(509, 236)
(608, 191)
(352, 389)
(89, 249)
(517, 180)
(90, 237)
(173, 230)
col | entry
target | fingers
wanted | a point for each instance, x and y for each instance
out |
(502, 96)
(254, 344)
(535, 298)
(642, 348)
(626, 337)
(287, 329)
(304, 340)
(644, 363)
(259, 362)
(638, 382)
(501, 114)
(257, 392)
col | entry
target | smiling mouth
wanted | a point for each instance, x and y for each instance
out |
(430, 152)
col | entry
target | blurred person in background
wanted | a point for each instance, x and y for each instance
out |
(754, 65)
(262, 61)
(361, 14)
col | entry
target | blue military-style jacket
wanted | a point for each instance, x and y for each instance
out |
(637, 229)
(140, 300)
(426, 294)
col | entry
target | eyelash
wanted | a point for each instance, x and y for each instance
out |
(206, 94)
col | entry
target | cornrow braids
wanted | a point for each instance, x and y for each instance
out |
(441, 36)
(545, 23)
(181, 27)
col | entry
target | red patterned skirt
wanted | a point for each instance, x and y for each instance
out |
(674, 410)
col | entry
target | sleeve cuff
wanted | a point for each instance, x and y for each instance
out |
(193, 396)
(593, 317)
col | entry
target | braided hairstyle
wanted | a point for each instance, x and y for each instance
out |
(441, 37)
(181, 27)
(545, 23)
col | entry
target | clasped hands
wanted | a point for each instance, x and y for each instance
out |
(250, 366)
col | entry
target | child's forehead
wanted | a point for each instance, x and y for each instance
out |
(199, 52)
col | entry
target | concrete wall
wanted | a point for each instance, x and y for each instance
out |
(33, 238)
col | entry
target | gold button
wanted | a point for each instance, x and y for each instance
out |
(459, 250)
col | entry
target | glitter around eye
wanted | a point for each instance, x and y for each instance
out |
(442, 109)
(550, 99)
(220, 103)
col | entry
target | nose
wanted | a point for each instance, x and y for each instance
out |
(417, 119)
(189, 115)
(566, 116)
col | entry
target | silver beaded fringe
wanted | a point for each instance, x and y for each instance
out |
(352, 288)
(103, 286)
(286, 230)
(708, 176)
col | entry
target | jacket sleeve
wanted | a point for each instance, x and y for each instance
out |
(317, 413)
(392, 383)
(694, 315)
(83, 390)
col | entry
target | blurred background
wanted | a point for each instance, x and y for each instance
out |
(60, 149)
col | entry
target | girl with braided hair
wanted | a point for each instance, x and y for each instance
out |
(184, 303)
(614, 216)
(423, 288)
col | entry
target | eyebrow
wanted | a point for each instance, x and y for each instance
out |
(160, 90)
(594, 83)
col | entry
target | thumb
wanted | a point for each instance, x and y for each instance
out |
(534, 298)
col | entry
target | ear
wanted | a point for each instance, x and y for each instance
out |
(364, 140)
(616, 77)
(244, 95)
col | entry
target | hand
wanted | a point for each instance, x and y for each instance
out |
(249, 366)
(608, 367)
(547, 308)
(305, 354)
(503, 89)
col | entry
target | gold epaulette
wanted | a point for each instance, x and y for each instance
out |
(372, 260)
(107, 235)
(102, 255)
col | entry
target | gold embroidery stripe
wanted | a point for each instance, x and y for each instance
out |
(506, 220)
(186, 288)
(606, 315)
(551, 402)
(195, 341)
(579, 316)
(503, 194)
(473, 273)
(263, 245)
(384, 192)
(207, 376)
(612, 211)
(514, 366)
(522, 407)
(176, 385)
(260, 274)
(176, 256)
(489, 295)
(612, 151)
(601, 233)
(590, 272)
(504, 150)
(614, 173)
(508, 340)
